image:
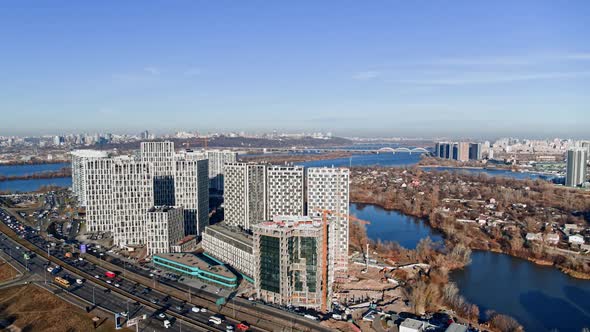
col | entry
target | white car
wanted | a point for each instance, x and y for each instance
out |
(79, 281)
(109, 282)
(167, 324)
(161, 315)
(49, 269)
(203, 309)
(97, 276)
(117, 285)
(196, 309)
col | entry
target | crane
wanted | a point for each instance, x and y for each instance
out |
(325, 214)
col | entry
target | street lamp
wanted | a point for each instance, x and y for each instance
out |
(93, 301)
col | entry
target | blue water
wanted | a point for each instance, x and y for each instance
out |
(540, 298)
(33, 184)
(20, 170)
(381, 159)
(394, 226)
(493, 172)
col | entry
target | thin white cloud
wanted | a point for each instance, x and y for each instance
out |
(152, 70)
(510, 60)
(366, 75)
(193, 72)
(492, 78)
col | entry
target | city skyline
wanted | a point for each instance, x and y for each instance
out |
(385, 69)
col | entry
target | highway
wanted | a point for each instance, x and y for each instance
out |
(260, 317)
(93, 294)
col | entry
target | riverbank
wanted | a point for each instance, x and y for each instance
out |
(294, 158)
(33, 162)
(497, 213)
(62, 173)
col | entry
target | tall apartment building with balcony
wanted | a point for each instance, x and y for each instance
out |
(191, 192)
(284, 191)
(132, 196)
(244, 194)
(288, 261)
(161, 156)
(217, 159)
(79, 164)
(328, 189)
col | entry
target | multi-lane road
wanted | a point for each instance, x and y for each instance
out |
(131, 293)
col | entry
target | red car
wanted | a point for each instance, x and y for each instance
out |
(243, 326)
(110, 274)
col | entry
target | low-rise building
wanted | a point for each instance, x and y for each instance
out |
(534, 237)
(576, 239)
(198, 267)
(552, 238)
(186, 244)
(411, 325)
(231, 246)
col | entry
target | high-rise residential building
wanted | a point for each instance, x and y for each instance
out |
(120, 190)
(98, 194)
(132, 195)
(444, 150)
(231, 246)
(288, 264)
(475, 151)
(218, 158)
(191, 192)
(576, 167)
(284, 191)
(462, 151)
(161, 156)
(328, 190)
(586, 145)
(244, 194)
(79, 163)
(165, 228)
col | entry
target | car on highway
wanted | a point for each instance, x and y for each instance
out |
(117, 285)
(161, 315)
(203, 309)
(196, 309)
(109, 281)
(154, 300)
(215, 320)
(79, 281)
(243, 327)
(97, 276)
(167, 324)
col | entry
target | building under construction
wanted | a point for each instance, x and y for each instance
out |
(288, 261)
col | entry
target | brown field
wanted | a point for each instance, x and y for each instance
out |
(7, 272)
(31, 308)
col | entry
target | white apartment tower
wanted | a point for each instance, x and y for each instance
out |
(244, 194)
(79, 159)
(98, 194)
(133, 195)
(161, 156)
(284, 191)
(576, 166)
(217, 159)
(191, 192)
(328, 189)
(164, 228)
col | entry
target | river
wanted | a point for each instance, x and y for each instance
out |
(541, 298)
(32, 184)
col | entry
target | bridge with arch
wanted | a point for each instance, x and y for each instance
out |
(408, 150)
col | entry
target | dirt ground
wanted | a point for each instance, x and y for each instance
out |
(31, 308)
(7, 272)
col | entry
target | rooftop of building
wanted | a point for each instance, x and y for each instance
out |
(291, 222)
(90, 153)
(412, 324)
(193, 261)
(230, 231)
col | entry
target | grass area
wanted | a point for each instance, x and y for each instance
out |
(32, 308)
(7, 272)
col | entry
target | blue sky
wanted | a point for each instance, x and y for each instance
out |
(390, 68)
